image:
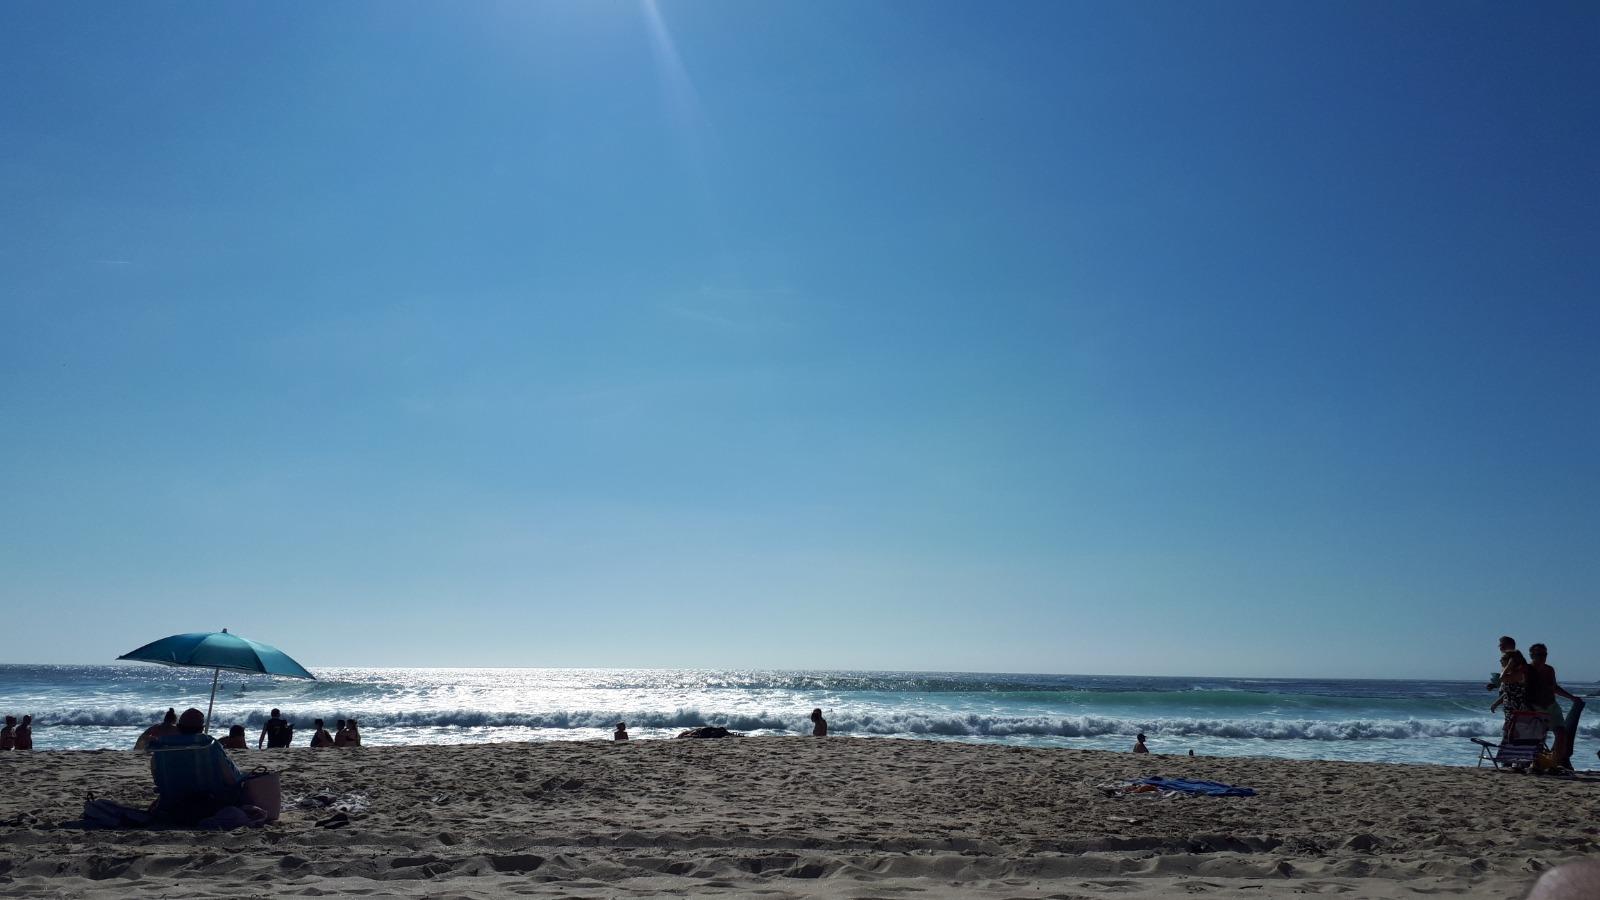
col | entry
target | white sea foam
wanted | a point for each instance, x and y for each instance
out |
(887, 724)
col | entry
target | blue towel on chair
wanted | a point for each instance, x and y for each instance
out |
(1208, 788)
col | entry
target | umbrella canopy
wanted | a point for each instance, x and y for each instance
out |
(218, 650)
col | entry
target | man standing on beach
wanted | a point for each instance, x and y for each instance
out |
(1507, 644)
(1542, 693)
(276, 732)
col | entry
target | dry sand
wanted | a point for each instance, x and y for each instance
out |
(801, 817)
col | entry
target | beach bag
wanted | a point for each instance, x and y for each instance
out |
(109, 814)
(263, 789)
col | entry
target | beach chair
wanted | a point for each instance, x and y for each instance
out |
(1530, 733)
(194, 777)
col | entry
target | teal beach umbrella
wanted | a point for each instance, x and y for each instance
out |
(218, 650)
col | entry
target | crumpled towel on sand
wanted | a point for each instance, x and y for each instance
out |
(1189, 786)
(1171, 788)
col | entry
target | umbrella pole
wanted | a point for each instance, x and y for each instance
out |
(215, 674)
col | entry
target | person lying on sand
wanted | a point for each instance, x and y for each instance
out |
(1138, 744)
(167, 725)
(235, 739)
(25, 734)
(321, 737)
(621, 734)
(820, 725)
(349, 737)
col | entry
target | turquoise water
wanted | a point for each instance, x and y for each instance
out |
(83, 707)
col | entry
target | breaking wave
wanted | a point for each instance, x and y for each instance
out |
(889, 724)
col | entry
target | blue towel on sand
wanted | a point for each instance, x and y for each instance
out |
(1208, 788)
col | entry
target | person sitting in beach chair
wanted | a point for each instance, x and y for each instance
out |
(1525, 740)
(194, 776)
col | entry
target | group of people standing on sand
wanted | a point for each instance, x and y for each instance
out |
(1529, 686)
(17, 736)
(276, 732)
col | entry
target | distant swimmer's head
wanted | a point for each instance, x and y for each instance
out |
(1539, 652)
(193, 721)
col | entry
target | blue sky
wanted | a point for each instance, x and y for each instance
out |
(1163, 338)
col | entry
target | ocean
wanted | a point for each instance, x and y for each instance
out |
(87, 707)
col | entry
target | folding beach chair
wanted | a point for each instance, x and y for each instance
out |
(1529, 733)
(194, 777)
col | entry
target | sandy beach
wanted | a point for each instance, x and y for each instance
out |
(800, 817)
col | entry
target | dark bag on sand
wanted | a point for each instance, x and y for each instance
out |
(708, 731)
(109, 814)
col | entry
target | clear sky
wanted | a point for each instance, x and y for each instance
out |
(1219, 338)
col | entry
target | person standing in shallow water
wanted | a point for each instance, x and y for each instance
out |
(1138, 744)
(819, 725)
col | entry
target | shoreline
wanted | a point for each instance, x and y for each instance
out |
(802, 817)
